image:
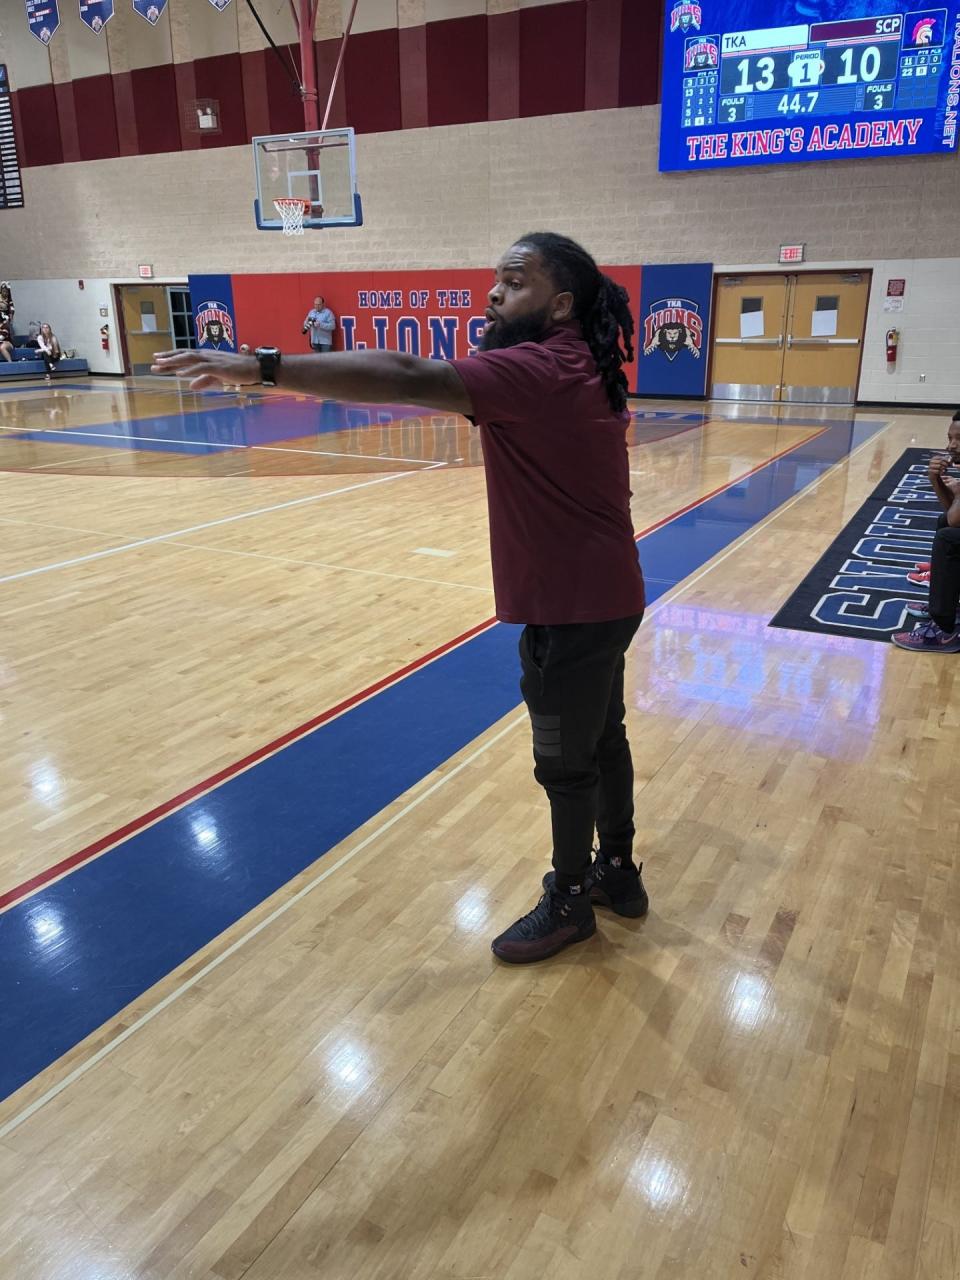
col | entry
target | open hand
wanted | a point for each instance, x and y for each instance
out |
(207, 369)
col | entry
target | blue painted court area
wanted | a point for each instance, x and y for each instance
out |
(77, 952)
(265, 420)
(262, 421)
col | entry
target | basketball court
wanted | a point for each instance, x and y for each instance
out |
(268, 795)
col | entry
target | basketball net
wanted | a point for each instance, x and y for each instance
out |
(292, 211)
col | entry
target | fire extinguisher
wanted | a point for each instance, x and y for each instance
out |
(105, 337)
(893, 341)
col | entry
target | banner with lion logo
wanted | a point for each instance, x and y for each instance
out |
(675, 315)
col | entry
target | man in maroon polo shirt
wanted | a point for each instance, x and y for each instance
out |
(548, 392)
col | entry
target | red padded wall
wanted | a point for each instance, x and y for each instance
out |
(552, 58)
(39, 133)
(283, 99)
(641, 36)
(220, 78)
(156, 109)
(96, 117)
(457, 70)
(372, 71)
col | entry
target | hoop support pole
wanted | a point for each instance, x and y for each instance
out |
(308, 64)
(336, 74)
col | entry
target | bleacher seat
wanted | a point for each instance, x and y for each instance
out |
(27, 364)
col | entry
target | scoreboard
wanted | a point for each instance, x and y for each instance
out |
(11, 190)
(760, 82)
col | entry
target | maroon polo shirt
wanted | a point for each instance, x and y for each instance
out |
(558, 483)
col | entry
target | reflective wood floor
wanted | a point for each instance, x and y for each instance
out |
(762, 1079)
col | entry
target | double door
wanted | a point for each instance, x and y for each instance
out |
(155, 318)
(795, 338)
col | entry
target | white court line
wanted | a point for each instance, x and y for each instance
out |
(340, 568)
(72, 462)
(64, 528)
(73, 433)
(210, 524)
(16, 1121)
(256, 555)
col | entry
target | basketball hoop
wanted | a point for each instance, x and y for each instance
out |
(292, 210)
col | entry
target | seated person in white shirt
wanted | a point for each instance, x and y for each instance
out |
(49, 347)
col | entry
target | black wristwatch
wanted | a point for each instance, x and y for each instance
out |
(269, 358)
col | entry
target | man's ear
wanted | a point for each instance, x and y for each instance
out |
(562, 307)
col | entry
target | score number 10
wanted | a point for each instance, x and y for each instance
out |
(786, 70)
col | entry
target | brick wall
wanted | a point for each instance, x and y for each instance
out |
(456, 196)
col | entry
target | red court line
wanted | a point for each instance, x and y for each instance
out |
(732, 483)
(91, 851)
(137, 824)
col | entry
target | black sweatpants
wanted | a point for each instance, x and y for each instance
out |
(945, 576)
(572, 684)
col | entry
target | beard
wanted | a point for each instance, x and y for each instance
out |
(508, 333)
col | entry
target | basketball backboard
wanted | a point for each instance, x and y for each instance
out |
(318, 167)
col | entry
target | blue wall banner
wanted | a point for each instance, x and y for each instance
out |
(150, 9)
(220, 4)
(96, 14)
(43, 18)
(674, 339)
(214, 319)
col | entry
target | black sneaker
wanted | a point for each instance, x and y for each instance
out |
(619, 888)
(557, 920)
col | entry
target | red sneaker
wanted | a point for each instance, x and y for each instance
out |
(919, 577)
(923, 566)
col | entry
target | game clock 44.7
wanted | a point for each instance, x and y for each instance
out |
(748, 82)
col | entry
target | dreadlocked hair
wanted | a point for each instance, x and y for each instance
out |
(599, 303)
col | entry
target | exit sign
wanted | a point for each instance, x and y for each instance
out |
(146, 271)
(792, 252)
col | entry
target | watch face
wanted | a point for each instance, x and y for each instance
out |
(269, 358)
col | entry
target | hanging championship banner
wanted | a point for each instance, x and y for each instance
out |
(220, 5)
(43, 18)
(150, 9)
(96, 14)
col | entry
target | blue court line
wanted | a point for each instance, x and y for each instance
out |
(77, 952)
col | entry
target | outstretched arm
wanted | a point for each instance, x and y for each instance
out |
(372, 377)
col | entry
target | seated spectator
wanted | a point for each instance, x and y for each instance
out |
(6, 301)
(32, 335)
(940, 632)
(49, 347)
(6, 337)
